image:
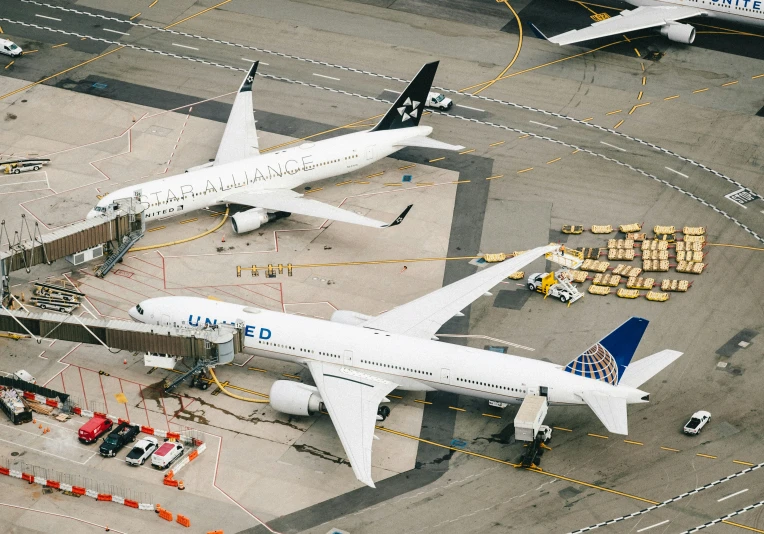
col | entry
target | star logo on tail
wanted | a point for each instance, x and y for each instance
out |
(409, 109)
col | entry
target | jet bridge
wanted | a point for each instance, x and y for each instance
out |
(121, 223)
(210, 346)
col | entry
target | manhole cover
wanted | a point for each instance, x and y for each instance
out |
(14, 453)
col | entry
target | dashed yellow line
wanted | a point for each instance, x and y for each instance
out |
(757, 76)
(670, 449)
(525, 170)
(467, 151)
(497, 143)
(257, 369)
(135, 16)
(617, 125)
(614, 112)
(576, 151)
(345, 182)
(196, 14)
(492, 416)
(741, 462)
(406, 167)
(671, 97)
(216, 214)
(157, 229)
(1, 29)
(634, 108)
(639, 96)
(393, 184)
(11, 63)
(29, 52)
(744, 527)
(153, 3)
(309, 191)
(189, 220)
(524, 136)
(461, 182)
(495, 177)
(597, 436)
(644, 80)
(422, 401)
(437, 159)
(637, 52)
(394, 396)
(553, 160)
(633, 442)
(561, 428)
(360, 182)
(587, 119)
(375, 175)
(700, 90)
(457, 409)
(730, 83)
(62, 44)
(642, 65)
(425, 184)
(291, 376)
(705, 455)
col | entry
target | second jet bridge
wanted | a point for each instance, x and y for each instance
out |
(210, 346)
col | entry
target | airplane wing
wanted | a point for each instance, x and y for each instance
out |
(240, 135)
(611, 411)
(426, 142)
(628, 21)
(352, 399)
(288, 200)
(424, 316)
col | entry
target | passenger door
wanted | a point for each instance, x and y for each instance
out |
(369, 153)
(348, 357)
(445, 376)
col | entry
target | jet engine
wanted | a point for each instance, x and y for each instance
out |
(349, 317)
(295, 399)
(680, 33)
(246, 221)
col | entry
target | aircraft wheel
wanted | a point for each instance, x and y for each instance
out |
(383, 412)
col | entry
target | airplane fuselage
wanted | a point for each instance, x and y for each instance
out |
(283, 169)
(745, 11)
(415, 364)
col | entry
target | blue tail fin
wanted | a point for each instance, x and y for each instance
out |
(608, 359)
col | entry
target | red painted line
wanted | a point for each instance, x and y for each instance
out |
(127, 413)
(164, 409)
(102, 527)
(146, 262)
(63, 384)
(85, 395)
(140, 390)
(133, 267)
(164, 270)
(181, 409)
(256, 293)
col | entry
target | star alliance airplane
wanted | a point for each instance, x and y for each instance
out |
(665, 16)
(356, 360)
(265, 182)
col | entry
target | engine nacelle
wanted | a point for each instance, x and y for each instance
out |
(295, 399)
(247, 221)
(349, 317)
(680, 33)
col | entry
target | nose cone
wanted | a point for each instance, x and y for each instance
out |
(133, 313)
(92, 214)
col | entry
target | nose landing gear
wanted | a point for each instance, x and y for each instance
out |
(382, 413)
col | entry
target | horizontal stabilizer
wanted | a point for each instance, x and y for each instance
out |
(611, 411)
(639, 372)
(426, 142)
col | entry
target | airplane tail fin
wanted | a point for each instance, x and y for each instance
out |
(643, 370)
(608, 359)
(407, 109)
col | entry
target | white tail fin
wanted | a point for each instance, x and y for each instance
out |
(608, 409)
(639, 372)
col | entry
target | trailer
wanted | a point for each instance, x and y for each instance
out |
(11, 403)
(17, 166)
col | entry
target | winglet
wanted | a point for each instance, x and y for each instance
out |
(538, 32)
(400, 218)
(246, 85)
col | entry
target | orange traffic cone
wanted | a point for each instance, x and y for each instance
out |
(223, 240)
(124, 361)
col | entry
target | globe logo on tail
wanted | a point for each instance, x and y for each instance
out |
(596, 363)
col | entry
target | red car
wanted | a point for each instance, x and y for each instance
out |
(95, 428)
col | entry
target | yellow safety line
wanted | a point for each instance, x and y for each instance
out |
(742, 526)
(257, 369)
(135, 16)
(406, 167)
(670, 449)
(757, 76)
(394, 396)
(6, 95)
(635, 50)
(561, 428)
(733, 246)
(196, 14)
(467, 151)
(632, 442)
(741, 462)
(617, 125)
(186, 240)
(154, 2)
(62, 44)
(224, 390)
(517, 52)
(375, 175)
(614, 112)
(491, 415)
(553, 160)
(189, 220)
(502, 142)
(700, 90)
(525, 170)
(437, 159)
(587, 120)
(495, 177)
(597, 436)
(422, 401)
(587, 8)
(729, 83)
(671, 97)
(705, 455)
(29, 52)
(156, 229)
(457, 409)
(11, 63)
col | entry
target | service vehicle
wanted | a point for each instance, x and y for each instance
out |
(13, 406)
(18, 166)
(118, 438)
(142, 451)
(555, 284)
(9, 48)
(21, 374)
(438, 101)
(166, 454)
(696, 423)
(94, 429)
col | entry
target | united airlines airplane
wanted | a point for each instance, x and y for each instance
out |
(356, 360)
(265, 182)
(665, 16)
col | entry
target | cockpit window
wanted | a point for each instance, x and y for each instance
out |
(140, 310)
(100, 209)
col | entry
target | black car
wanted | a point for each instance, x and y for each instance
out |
(118, 438)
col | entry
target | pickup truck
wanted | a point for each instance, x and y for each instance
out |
(118, 438)
(697, 422)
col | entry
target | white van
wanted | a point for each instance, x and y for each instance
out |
(9, 48)
(166, 454)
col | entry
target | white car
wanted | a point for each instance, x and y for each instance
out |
(9, 48)
(697, 422)
(142, 451)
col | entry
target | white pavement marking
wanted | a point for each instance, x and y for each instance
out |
(732, 495)
(676, 172)
(327, 77)
(613, 146)
(391, 91)
(653, 526)
(253, 60)
(115, 31)
(184, 46)
(45, 17)
(544, 125)
(468, 107)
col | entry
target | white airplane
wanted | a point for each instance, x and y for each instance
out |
(665, 15)
(356, 360)
(241, 175)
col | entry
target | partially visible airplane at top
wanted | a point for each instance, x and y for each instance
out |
(357, 360)
(665, 16)
(265, 182)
